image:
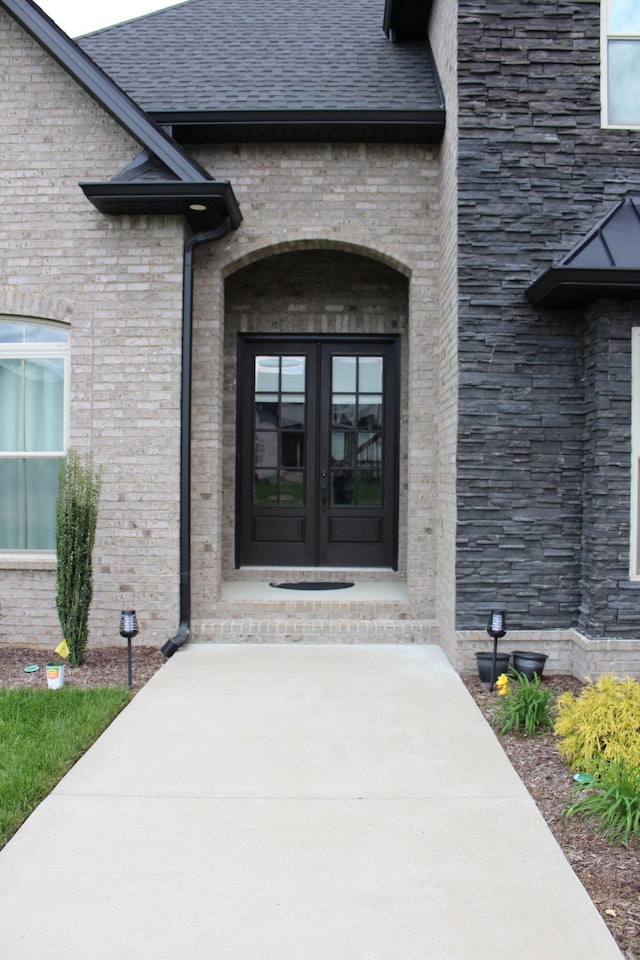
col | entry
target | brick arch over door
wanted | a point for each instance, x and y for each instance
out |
(304, 243)
(326, 291)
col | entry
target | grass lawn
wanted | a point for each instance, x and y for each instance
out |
(42, 734)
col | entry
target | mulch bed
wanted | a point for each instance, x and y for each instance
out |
(103, 667)
(609, 872)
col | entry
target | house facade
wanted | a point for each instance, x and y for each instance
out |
(281, 280)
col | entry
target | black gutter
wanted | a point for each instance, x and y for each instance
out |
(579, 286)
(184, 627)
(204, 204)
(327, 126)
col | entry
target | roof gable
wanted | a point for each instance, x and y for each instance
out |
(252, 65)
(177, 164)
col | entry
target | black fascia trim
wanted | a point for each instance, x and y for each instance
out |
(103, 89)
(338, 117)
(406, 20)
(194, 126)
(116, 197)
(567, 287)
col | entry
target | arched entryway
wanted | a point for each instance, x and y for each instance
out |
(315, 456)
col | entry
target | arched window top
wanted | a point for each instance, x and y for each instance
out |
(14, 330)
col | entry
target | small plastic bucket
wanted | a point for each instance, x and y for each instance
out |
(55, 675)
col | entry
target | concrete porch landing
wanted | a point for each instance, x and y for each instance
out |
(295, 802)
(372, 610)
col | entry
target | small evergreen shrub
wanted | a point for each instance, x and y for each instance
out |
(525, 705)
(602, 723)
(613, 797)
(76, 519)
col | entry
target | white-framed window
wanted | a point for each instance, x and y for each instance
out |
(620, 67)
(34, 394)
(634, 564)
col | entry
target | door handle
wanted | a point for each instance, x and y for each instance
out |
(324, 488)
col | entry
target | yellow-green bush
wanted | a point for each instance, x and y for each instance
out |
(602, 723)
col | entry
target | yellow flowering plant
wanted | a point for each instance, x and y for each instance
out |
(523, 704)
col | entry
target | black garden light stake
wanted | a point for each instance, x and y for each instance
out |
(128, 629)
(496, 628)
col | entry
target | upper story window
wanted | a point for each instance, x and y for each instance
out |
(34, 380)
(620, 30)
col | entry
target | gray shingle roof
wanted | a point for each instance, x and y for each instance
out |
(266, 55)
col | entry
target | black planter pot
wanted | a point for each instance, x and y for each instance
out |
(485, 663)
(530, 664)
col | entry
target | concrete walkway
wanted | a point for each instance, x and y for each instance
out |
(290, 802)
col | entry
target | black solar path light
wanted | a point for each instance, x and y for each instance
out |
(496, 628)
(128, 629)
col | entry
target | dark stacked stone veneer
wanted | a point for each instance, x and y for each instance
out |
(544, 415)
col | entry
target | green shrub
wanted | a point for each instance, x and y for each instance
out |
(76, 518)
(602, 723)
(613, 796)
(525, 705)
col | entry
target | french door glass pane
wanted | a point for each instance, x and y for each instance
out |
(370, 412)
(369, 450)
(265, 486)
(343, 410)
(293, 374)
(370, 488)
(342, 488)
(356, 437)
(267, 374)
(28, 488)
(370, 374)
(279, 430)
(343, 374)
(292, 487)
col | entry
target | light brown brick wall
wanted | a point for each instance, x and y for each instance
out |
(379, 202)
(443, 34)
(118, 283)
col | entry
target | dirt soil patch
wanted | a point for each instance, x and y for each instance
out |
(104, 667)
(609, 872)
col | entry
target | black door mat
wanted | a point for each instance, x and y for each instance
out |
(312, 585)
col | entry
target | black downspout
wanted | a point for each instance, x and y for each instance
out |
(197, 240)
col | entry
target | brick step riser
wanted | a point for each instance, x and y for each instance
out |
(305, 630)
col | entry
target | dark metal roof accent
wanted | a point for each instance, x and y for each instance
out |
(174, 197)
(145, 167)
(268, 70)
(406, 20)
(605, 263)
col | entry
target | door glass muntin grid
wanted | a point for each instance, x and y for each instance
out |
(356, 447)
(279, 430)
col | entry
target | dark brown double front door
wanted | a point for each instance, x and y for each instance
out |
(317, 451)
